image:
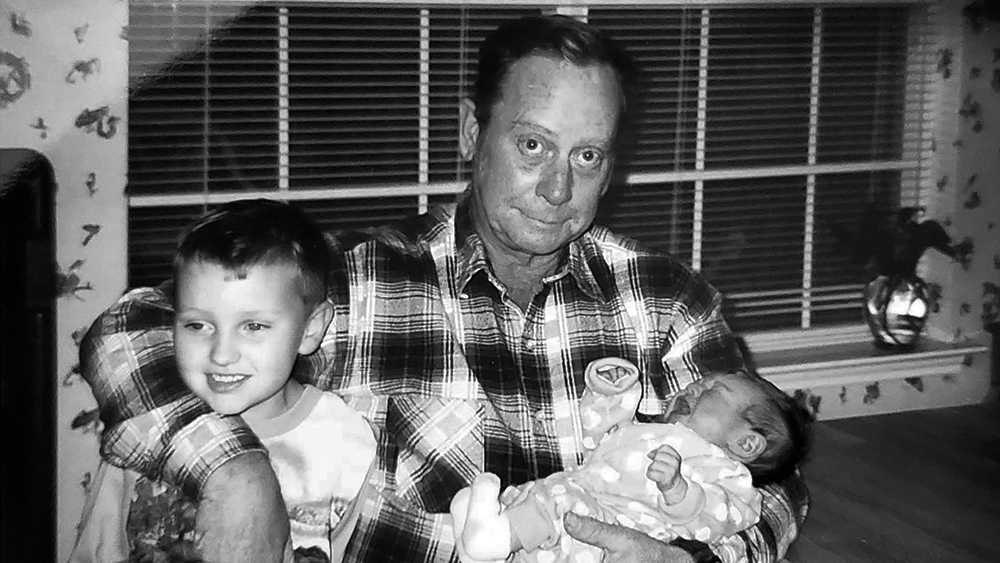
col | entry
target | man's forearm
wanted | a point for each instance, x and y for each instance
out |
(784, 510)
(241, 514)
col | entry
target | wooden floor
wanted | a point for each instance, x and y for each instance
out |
(920, 486)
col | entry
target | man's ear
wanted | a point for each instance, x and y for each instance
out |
(748, 446)
(468, 131)
(607, 184)
(316, 327)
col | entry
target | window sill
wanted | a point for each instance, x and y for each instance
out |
(840, 373)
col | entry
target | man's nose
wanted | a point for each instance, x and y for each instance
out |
(556, 186)
(225, 349)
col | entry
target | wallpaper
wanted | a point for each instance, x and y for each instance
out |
(967, 180)
(63, 93)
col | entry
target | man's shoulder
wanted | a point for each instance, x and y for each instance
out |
(655, 270)
(621, 247)
(411, 236)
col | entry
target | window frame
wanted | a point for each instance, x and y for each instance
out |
(914, 161)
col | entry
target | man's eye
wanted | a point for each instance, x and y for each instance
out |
(531, 146)
(253, 326)
(589, 158)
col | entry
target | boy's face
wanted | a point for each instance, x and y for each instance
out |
(713, 408)
(236, 338)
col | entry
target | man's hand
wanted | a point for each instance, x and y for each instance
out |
(621, 544)
(241, 515)
(665, 471)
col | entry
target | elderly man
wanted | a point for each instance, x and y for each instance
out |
(462, 334)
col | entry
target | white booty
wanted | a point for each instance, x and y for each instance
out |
(482, 533)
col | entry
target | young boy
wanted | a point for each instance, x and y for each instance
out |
(250, 296)
(723, 434)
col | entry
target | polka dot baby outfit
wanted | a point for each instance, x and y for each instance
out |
(612, 485)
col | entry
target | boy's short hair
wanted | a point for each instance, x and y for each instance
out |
(786, 427)
(256, 232)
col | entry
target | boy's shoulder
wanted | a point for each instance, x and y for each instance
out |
(329, 419)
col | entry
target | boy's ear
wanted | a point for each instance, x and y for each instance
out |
(748, 446)
(316, 327)
(468, 132)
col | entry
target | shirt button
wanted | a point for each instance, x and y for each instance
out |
(538, 423)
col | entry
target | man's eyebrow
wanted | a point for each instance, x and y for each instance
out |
(533, 126)
(603, 144)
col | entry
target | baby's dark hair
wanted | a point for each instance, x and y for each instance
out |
(254, 232)
(787, 430)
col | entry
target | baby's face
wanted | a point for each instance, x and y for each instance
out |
(236, 337)
(713, 407)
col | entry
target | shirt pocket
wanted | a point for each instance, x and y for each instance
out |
(439, 445)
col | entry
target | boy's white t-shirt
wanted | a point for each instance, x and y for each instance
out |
(321, 451)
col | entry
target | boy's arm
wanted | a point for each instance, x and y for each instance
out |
(155, 426)
(101, 535)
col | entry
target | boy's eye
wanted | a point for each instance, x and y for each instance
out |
(254, 326)
(196, 326)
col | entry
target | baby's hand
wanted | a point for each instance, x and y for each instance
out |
(665, 471)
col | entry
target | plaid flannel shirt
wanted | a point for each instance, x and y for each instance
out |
(456, 378)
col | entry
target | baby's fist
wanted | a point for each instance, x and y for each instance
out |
(665, 471)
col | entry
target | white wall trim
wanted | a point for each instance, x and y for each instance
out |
(857, 370)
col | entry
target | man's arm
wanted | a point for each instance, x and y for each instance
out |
(154, 425)
(784, 508)
(760, 543)
(241, 515)
(705, 345)
(621, 544)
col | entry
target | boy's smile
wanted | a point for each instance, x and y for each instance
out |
(224, 383)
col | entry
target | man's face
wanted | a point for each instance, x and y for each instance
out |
(544, 160)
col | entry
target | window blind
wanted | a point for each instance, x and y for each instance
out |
(755, 129)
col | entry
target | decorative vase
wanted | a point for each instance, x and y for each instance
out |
(896, 309)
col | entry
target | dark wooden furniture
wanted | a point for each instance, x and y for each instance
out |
(27, 353)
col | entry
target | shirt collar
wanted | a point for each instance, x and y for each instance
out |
(583, 261)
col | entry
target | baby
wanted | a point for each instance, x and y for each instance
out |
(692, 477)
(250, 281)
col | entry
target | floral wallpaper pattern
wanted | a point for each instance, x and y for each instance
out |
(967, 198)
(63, 92)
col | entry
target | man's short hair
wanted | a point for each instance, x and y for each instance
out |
(552, 36)
(260, 232)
